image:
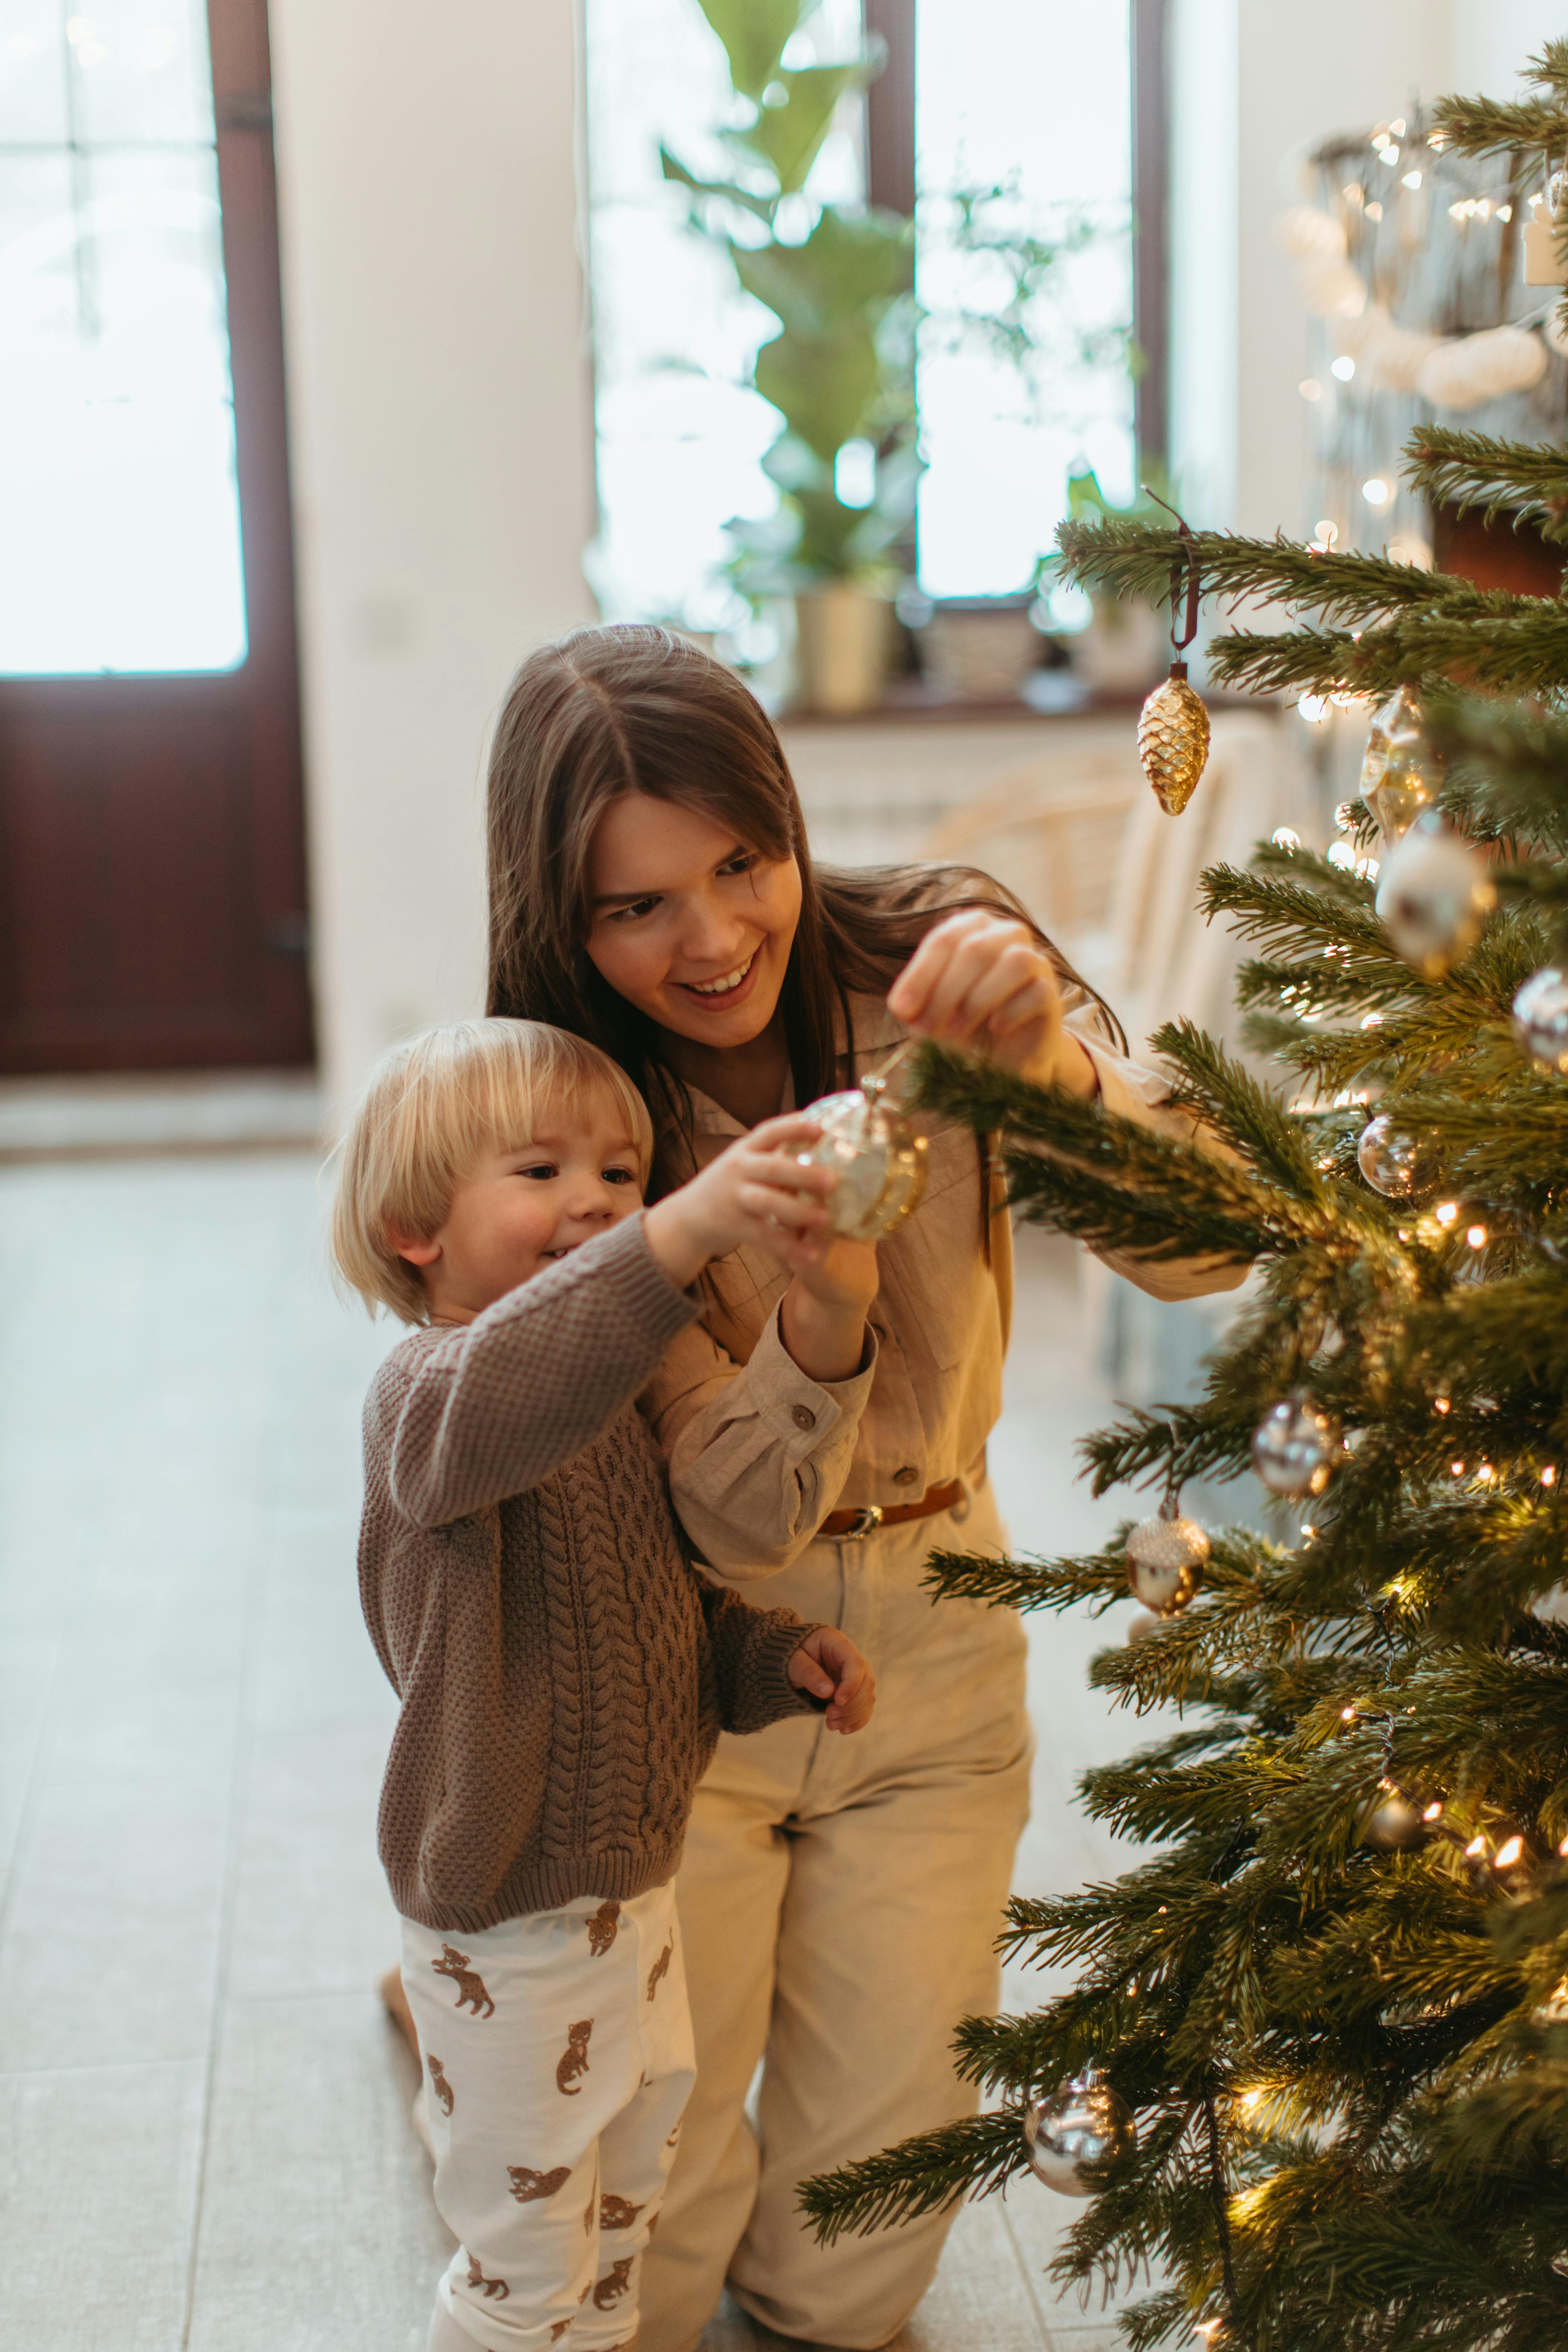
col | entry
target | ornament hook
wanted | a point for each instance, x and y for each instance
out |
(1187, 561)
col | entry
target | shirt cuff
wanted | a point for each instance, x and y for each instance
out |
(1126, 1088)
(797, 1411)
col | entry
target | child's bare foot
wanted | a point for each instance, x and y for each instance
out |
(397, 2009)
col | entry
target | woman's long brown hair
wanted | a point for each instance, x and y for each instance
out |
(606, 712)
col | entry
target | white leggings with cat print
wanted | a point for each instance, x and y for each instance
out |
(558, 2061)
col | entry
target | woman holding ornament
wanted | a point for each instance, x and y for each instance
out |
(652, 889)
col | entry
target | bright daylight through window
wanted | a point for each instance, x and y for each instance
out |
(1022, 375)
(119, 510)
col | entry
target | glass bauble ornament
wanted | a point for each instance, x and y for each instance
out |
(1166, 1556)
(1174, 740)
(1395, 1161)
(1393, 1823)
(1433, 895)
(1082, 2122)
(1295, 1447)
(877, 1158)
(1400, 772)
(1540, 1017)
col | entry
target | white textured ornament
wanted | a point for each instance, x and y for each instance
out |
(1390, 357)
(1433, 895)
(1470, 369)
(1541, 1018)
(1397, 1164)
(1295, 1447)
(1333, 289)
(1308, 233)
(877, 1158)
(1166, 1556)
(1082, 2122)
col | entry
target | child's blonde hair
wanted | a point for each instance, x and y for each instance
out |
(430, 1110)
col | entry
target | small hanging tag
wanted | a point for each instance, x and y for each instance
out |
(1543, 264)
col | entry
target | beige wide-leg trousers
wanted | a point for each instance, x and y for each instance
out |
(839, 1900)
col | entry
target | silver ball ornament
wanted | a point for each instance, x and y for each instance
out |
(1393, 1823)
(1166, 1556)
(1433, 894)
(877, 1158)
(1541, 1018)
(1295, 1447)
(1395, 1162)
(1083, 2122)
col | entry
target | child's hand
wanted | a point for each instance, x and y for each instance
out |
(985, 984)
(829, 1667)
(757, 1191)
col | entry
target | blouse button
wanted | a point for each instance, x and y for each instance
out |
(905, 1476)
(804, 1417)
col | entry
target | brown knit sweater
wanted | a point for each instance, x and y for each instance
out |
(563, 1672)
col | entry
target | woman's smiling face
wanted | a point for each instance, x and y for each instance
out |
(688, 923)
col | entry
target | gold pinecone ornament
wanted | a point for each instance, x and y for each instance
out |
(1174, 740)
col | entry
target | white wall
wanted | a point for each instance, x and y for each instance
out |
(442, 459)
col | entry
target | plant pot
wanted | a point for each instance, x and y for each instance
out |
(1125, 648)
(979, 648)
(844, 638)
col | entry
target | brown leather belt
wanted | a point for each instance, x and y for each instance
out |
(852, 1526)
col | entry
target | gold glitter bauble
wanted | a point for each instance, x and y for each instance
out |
(877, 1158)
(1173, 741)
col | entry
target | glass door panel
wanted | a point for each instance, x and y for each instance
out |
(119, 505)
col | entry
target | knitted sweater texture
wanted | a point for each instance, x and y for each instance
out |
(565, 1672)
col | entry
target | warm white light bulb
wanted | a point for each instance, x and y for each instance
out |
(1345, 367)
(1375, 492)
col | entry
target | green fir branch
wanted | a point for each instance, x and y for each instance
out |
(1527, 480)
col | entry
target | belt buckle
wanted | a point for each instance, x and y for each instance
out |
(868, 1518)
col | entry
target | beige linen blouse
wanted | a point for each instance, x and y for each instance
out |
(759, 1453)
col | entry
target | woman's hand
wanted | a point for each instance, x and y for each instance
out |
(983, 984)
(755, 1191)
(829, 1666)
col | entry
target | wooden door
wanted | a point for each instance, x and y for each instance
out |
(152, 907)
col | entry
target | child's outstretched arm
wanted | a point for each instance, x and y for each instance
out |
(769, 1665)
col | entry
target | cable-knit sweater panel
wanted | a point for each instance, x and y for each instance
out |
(564, 1670)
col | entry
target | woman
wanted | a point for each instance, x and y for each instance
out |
(652, 889)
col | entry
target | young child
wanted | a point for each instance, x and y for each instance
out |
(564, 1670)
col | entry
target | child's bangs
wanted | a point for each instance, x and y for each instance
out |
(534, 1079)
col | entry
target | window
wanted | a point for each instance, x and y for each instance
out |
(119, 510)
(1033, 96)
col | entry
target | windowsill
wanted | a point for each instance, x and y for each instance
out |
(1049, 694)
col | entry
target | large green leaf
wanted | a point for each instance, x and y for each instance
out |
(754, 33)
(822, 383)
(674, 169)
(788, 137)
(849, 263)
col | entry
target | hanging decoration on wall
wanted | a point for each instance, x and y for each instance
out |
(1173, 726)
(1456, 371)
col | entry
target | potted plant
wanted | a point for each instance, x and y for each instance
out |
(840, 369)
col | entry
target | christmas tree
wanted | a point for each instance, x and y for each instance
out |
(1314, 2067)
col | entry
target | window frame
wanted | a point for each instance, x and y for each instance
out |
(891, 180)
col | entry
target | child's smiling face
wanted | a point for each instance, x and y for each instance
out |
(527, 1207)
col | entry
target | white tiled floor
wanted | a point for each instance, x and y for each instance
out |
(204, 2134)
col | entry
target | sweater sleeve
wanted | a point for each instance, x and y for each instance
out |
(752, 1650)
(489, 1410)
